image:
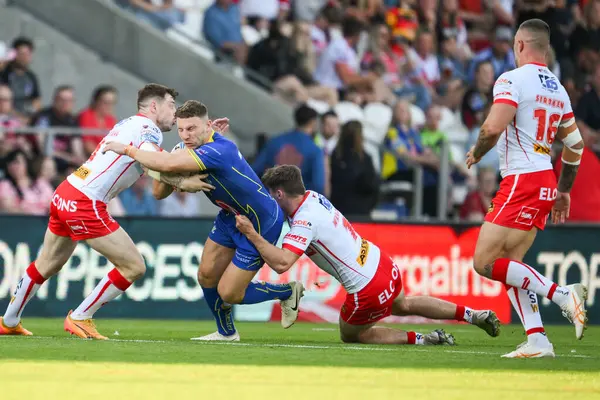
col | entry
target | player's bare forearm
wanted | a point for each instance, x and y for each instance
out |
(163, 161)
(278, 259)
(161, 190)
(567, 177)
(485, 142)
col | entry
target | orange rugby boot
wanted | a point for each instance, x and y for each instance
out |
(15, 330)
(85, 329)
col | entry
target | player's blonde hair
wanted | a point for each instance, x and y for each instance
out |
(191, 109)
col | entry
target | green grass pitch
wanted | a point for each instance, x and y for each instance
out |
(156, 360)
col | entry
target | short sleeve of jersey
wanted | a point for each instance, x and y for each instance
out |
(505, 90)
(301, 234)
(151, 134)
(568, 110)
(211, 156)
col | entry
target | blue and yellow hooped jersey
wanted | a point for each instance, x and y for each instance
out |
(238, 188)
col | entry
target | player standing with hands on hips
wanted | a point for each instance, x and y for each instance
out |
(531, 109)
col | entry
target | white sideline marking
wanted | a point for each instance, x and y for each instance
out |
(428, 349)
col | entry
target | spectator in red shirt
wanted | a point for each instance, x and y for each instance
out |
(477, 202)
(99, 115)
(585, 195)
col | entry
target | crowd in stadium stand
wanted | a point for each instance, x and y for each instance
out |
(428, 65)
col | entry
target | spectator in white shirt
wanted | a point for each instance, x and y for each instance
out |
(424, 57)
(339, 64)
(180, 204)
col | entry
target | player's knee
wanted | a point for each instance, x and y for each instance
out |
(230, 294)
(479, 263)
(206, 279)
(47, 268)
(134, 270)
(402, 306)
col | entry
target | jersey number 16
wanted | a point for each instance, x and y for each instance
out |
(546, 125)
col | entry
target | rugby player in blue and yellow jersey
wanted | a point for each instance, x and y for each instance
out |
(229, 261)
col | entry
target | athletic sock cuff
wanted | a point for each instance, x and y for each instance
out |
(460, 313)
(118, 280)
(412, 337)
(35, 275)
(500, 269)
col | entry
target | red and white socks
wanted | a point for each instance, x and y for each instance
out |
(109, 288)
(415, 338)
(520, 275)
(26, 289)
(464, 314)
(526, 304)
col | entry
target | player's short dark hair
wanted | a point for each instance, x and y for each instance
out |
(536, 25)
(351, 27)
(285, 177)
(191, 109)
(304, 114)
(154, 90)
(22, 41)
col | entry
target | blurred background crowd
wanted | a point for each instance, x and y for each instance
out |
(388, 96)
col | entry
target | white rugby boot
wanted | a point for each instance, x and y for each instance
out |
(574, 309)
(488, 321)
(217, 337)
(530, 350)
(289, 307)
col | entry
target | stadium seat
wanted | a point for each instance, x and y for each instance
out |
(377, 120)
(348, 111)
(417, 116)
(319, 106)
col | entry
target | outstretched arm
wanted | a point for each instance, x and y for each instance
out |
(280, 260)
(177, 162)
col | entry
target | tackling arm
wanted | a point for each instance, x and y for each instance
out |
(572, 151)
(280, 260)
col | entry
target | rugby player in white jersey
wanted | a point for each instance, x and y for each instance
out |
(531, 110)
(370, 277)
(78, 212)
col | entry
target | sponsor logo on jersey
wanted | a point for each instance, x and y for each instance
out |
(82, 172)
(509, 94)
(301, 223)
(77, 226)
(491, 208)
(364, 253)
(503, 81)
(295, 238)
(538, 148)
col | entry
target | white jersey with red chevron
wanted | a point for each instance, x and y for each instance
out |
(542, 103)
(331, 242)
(104, 176)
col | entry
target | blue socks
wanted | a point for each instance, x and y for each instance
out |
(222, 312)
(258, 292)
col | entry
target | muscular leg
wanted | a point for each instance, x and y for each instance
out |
(494, 241)
(236, 287)
(373, 334)
(214, 261)
(56, 250)
(129, 266)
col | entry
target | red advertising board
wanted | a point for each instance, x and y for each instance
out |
(434, 260)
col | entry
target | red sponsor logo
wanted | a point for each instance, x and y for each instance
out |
(509, 94)
(299, 222)
(503, 81)
(295, 238)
